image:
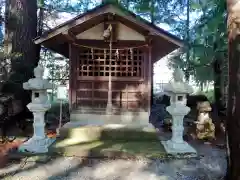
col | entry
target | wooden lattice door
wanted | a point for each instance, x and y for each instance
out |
(93, 75)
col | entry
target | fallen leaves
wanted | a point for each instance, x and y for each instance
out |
(5, 148)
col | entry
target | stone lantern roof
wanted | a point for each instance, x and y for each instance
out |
(178, 86)
(37, 83)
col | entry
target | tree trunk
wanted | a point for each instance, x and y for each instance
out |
(218, 106)
(217, 84)
(152, 10)
(187, 73)
(40, 27)
(233, 112)
(21, 29)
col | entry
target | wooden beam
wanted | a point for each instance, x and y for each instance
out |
(118, 44)
(149, 39)
(70, 36)
(58, 48)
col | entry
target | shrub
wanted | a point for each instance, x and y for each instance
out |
(210, 95)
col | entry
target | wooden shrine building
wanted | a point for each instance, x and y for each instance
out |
(111, 53)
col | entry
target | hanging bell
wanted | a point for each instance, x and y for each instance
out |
(107, 32)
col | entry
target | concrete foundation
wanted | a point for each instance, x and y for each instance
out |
(140, 119)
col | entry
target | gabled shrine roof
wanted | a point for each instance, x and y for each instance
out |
(51, 38)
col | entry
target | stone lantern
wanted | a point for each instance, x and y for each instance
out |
(178, 90)
(39, 143)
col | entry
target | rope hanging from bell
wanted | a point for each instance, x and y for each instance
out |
(92, 53)
(117, 54)
(107, 34)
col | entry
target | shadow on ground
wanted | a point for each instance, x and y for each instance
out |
(116, 160)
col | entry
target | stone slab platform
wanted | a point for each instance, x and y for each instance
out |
(75, 132)
(99, 117)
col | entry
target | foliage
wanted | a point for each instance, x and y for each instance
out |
(57, 65)
(209, 94)
(208, 42)
(207, 32)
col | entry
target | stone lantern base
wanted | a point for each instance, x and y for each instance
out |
(176, 148)
(36, 145)
(39, 143)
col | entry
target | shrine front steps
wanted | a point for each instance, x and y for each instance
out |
(86, 127)
(105, 126)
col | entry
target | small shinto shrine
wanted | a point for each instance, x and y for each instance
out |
(111, 53)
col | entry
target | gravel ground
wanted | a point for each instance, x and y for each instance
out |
(210, 166)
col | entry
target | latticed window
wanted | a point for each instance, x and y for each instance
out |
(123, 63)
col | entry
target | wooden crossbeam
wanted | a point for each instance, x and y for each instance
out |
(70, 36)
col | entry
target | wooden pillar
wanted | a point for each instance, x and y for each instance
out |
(149, 75)
(73, 76)
(148, 72)
(70, 77)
